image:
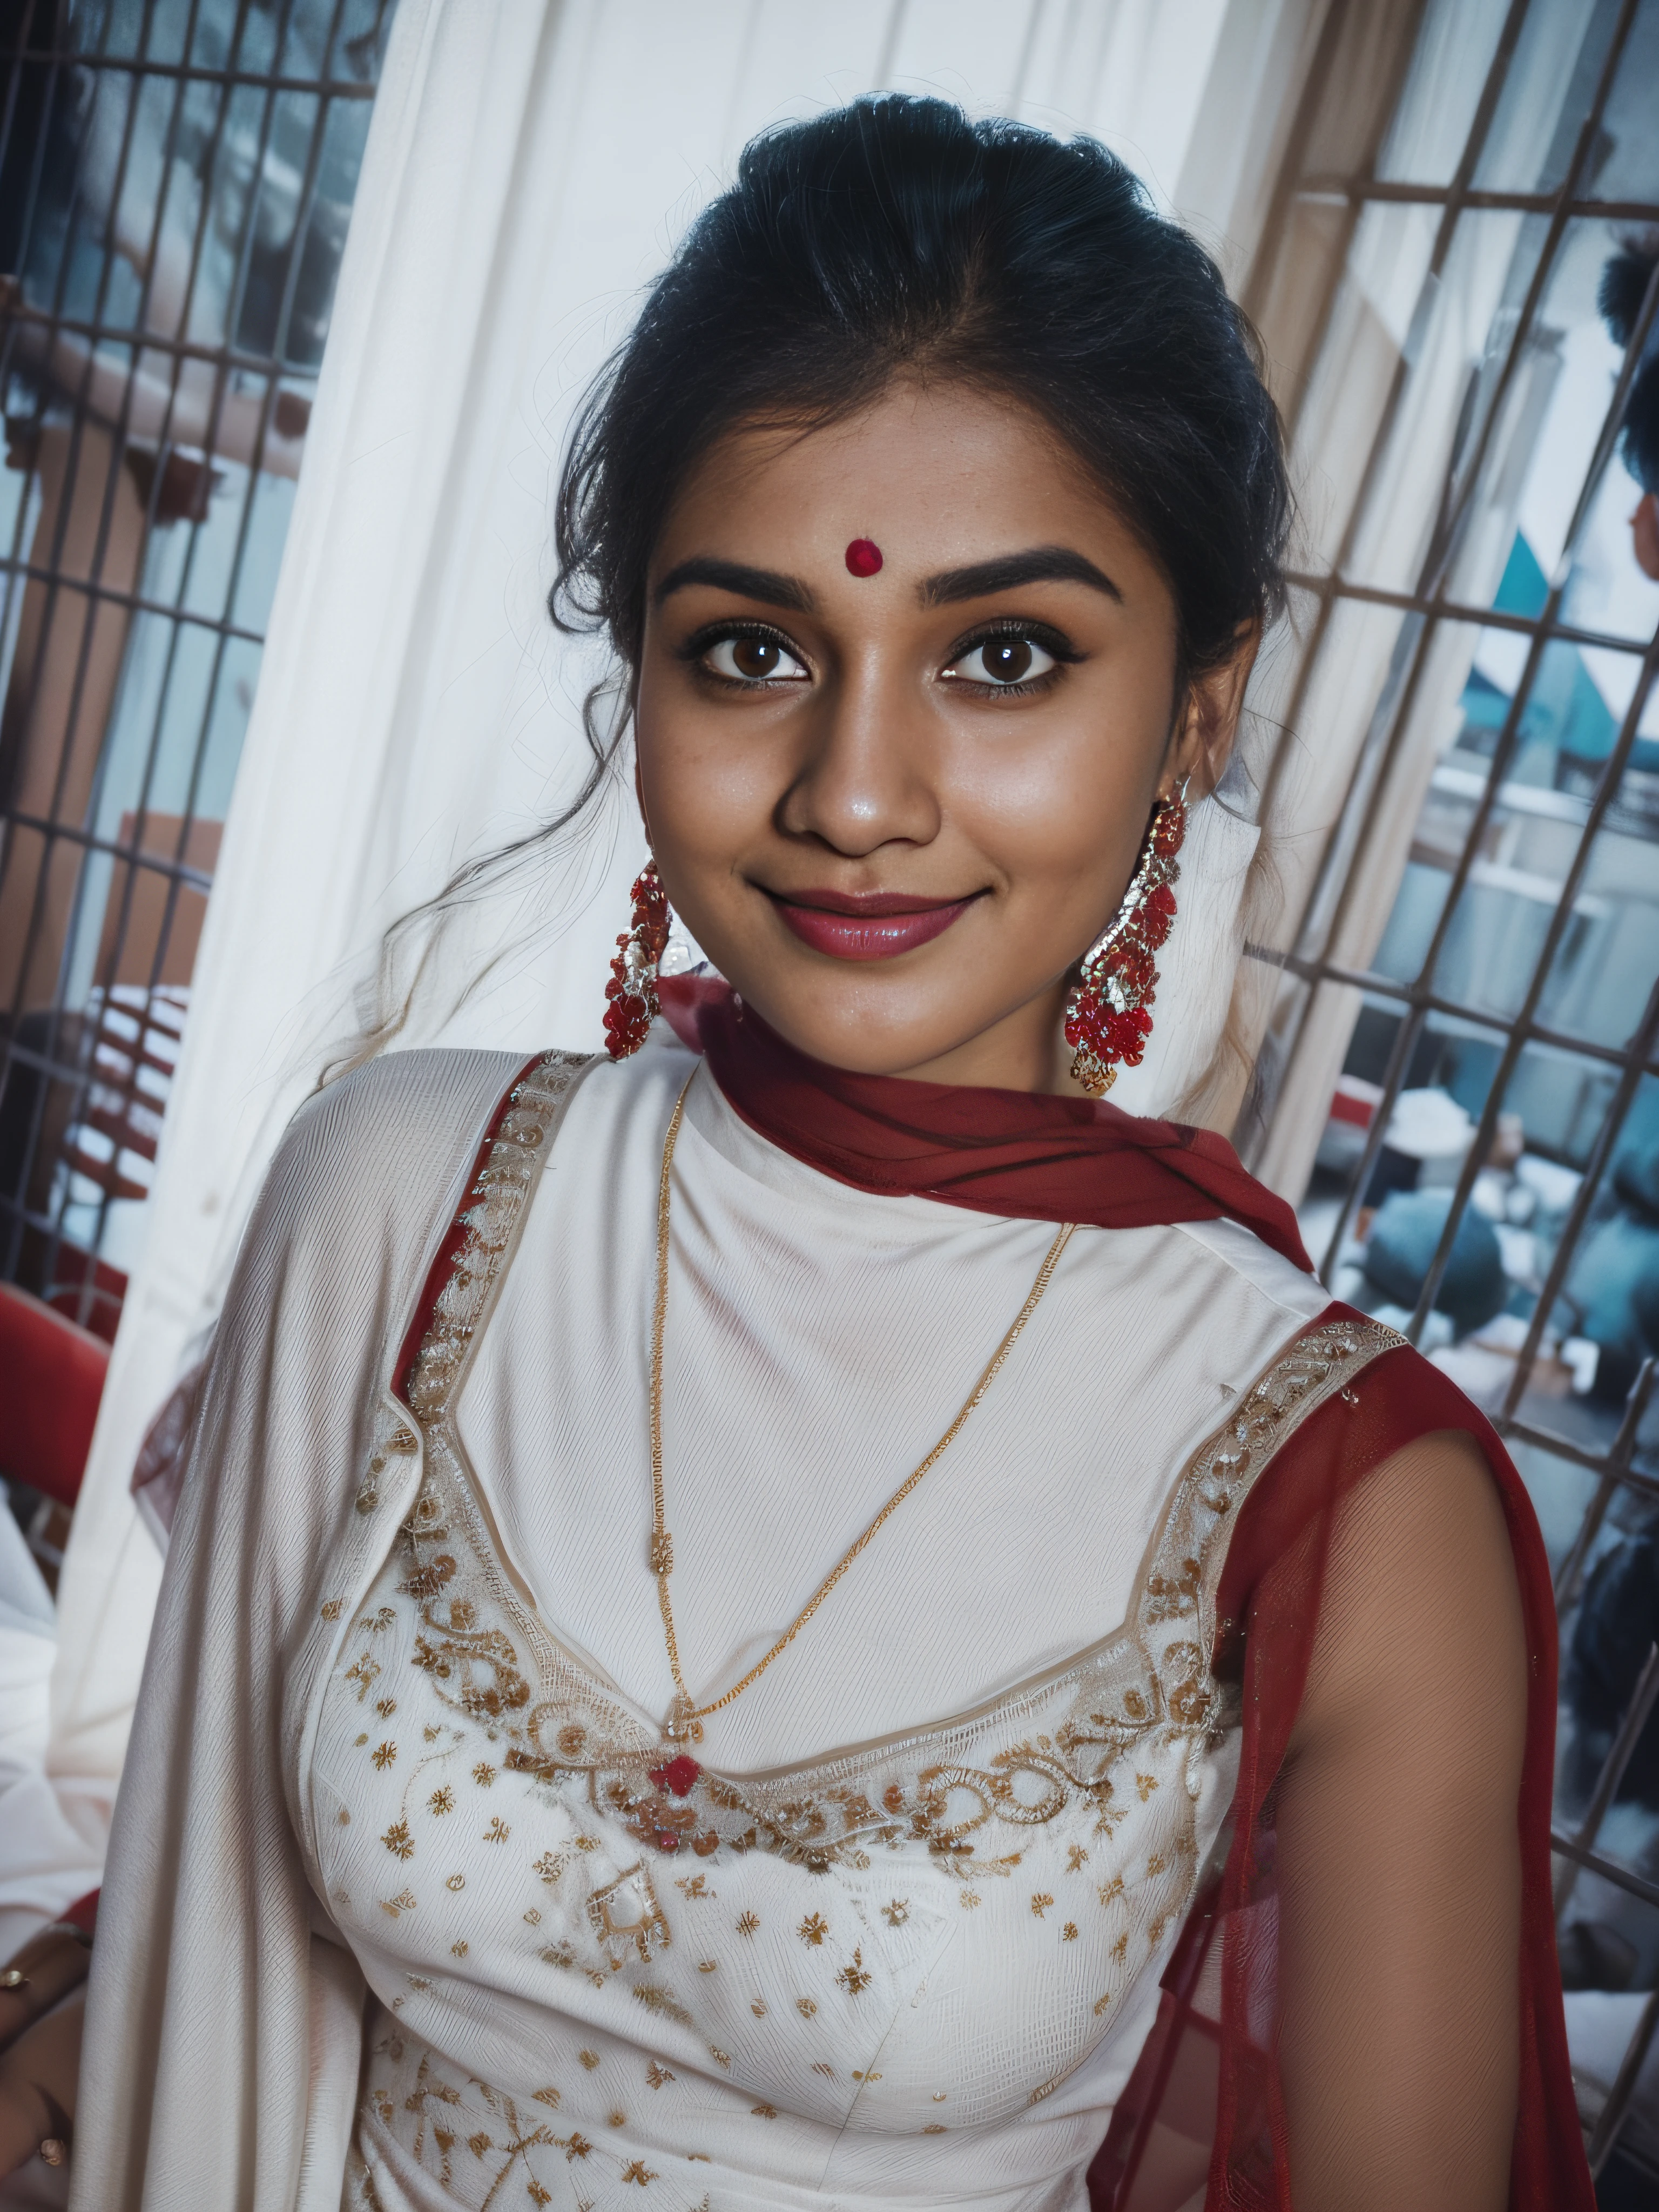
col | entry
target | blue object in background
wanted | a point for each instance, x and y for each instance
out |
(1408, 1229)
(1565, 712)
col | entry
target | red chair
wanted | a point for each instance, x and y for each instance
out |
(51, 1377)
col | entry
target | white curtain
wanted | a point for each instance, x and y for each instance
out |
(530, 164)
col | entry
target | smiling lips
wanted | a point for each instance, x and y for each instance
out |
(876, 926)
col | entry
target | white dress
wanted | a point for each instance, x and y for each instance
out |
(898, 1940)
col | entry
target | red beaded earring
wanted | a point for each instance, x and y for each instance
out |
(631, 993)
(1106, 1018)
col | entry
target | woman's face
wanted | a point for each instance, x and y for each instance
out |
(894, 809)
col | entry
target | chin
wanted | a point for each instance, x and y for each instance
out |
(866, 1031)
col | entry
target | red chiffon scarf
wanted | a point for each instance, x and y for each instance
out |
(999, 1152)
(1206, 2082)
(1208, 2071)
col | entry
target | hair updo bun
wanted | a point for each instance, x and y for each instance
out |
(896, 236)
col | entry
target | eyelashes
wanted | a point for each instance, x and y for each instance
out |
(1014, 658)
(746, 656)
(1001, 660)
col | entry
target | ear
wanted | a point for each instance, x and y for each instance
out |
(1202, 743)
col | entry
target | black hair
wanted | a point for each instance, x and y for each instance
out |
(1624, 287)
(896, 237)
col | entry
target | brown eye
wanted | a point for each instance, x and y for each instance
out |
(753, 659)
(1001, 660)
(1008, 659)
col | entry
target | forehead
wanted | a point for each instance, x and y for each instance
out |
(937, 475)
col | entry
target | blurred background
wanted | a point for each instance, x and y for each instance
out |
(1444, 216)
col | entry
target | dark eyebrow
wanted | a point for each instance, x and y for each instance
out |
(763, 584)
(1043, 564)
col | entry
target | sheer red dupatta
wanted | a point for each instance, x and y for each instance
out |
(1201, 2122)
(1206, 2092)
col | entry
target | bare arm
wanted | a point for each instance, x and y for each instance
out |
(1399, 1859)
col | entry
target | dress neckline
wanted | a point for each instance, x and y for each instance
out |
(1177, 1583)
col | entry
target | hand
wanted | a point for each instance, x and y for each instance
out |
(40, 2026)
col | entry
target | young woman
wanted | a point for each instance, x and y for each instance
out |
(805, 1612)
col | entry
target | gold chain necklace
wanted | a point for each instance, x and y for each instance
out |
(685, 1719)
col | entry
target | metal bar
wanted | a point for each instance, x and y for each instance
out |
(1622, 1451)
(85, 838)
(1402, 1052)
(1619, 1754)
(1613, 1122)
(60, 1072)
(1376, 595)
(1434, 1002)
(199, 73)
(134, 601)
(1605, 1869)
(98, 332)
(1528, 1433)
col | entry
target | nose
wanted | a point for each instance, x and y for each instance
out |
(866, 776)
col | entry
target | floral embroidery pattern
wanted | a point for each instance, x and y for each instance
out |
(1148, 1689)
(1106, 1741)
(854, 1978)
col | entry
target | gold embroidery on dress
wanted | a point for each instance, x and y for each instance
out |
(489, 1658)
(1094, 1741)
(628, 1919)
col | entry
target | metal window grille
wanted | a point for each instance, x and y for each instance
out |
(1467, 1016)
(176, 178)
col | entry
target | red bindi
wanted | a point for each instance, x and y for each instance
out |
(863, 557)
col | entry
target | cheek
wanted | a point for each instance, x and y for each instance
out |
(1059, 814)
(707, 785)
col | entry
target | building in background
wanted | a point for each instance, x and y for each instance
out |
(176, 178)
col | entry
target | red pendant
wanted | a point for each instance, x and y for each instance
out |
(863, 557)
(679, 1778)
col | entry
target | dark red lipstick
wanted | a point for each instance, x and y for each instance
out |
(868, 925)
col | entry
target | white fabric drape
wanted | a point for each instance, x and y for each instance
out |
(529, 166)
